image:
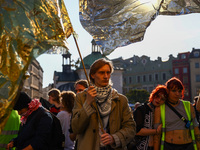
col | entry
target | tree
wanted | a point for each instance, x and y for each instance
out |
(138, 96)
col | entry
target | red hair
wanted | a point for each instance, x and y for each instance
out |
(156, 91)
(175, 83)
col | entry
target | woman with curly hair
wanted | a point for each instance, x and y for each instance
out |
(143, 117)
(67, 100)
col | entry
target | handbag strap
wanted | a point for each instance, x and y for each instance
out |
(176, 112)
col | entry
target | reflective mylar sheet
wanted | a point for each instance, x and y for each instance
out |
(28, 28)
(115, 23)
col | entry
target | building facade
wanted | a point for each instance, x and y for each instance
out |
(34, 82)
(181, 70)
(195, 72)
(137, 72)
(143, 73)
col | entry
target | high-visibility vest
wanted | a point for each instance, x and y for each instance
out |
(10, 130)
(188, 112)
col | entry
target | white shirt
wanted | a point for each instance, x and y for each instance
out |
(64, 118)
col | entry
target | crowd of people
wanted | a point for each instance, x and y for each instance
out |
(96, 117)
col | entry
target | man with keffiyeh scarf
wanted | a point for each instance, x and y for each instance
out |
(30, 136)
(101, 117)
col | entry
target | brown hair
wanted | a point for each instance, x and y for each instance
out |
(82, 82)
(175, 83)
(55, 93)
(68, 98)
(97, 65)
(156, 91)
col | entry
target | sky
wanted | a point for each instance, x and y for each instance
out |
(166, 35)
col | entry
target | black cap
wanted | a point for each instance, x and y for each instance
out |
(22, 101)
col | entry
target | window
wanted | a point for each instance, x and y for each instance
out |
(164, 76)
(184, 70)
(185, 80)
(150, 77)
(138, 79)
(124, 80)
(196, 65)
(183, 56)
(196, 54)
(198, 78)
(130, 80)
(156, 77)
(176, 71)
(144, 78)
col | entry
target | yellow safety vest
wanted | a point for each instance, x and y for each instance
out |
(188, 112)
(10, 130)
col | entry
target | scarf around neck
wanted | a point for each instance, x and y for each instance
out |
(32, 106)
(103, 100)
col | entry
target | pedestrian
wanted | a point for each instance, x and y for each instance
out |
(10, 130)
(137, 104)
(197, 113)
(54, 99)
(144, 115)
(32, 136)
(45, 103)
(101, 116)
(80, 85)
(67, 100)
(179, 125)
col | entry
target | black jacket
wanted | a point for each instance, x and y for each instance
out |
(36, 133)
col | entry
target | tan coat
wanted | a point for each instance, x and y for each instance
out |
(85, 123)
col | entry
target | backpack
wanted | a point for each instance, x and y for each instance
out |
(58, 138)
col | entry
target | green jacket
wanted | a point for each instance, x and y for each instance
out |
(85, 124)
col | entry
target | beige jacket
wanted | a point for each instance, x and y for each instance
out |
(85, 123)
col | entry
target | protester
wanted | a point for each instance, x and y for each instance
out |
(197, 113)
(79, 86)
(101, 116)
(197, 98)
(54, 99)
(45, 103)
(32, 136)
(137, 104)
(67, 98)
(180, 127)
(143, 117)
(10, 130)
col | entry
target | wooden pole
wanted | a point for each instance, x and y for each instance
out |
(81, 60)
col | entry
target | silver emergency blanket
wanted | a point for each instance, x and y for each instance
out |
(28, 28)
(116, 23)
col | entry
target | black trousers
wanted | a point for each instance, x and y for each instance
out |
(169, 146)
